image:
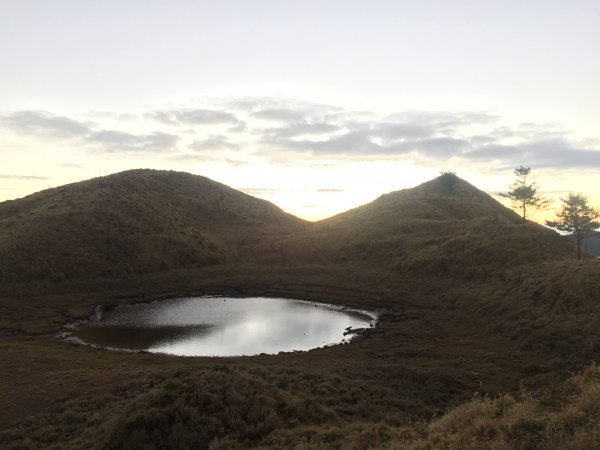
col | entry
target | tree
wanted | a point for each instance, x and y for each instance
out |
(449, 179)
(576, 217)
(524, 196)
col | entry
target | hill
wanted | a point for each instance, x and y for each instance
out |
(474, 302)
(445, 227)
(144, 221)
(130, 223)
(591, 244)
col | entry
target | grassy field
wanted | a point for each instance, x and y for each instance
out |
(223, 407)
(487, 322)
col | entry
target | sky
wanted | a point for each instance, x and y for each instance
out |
(316, 106)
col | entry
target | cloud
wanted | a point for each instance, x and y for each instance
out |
(111, 115)
(401, 131)
(350, 143)
(280, 115)
(351, 116)
(273, 103)
(330, 190)
(441, 122)
(556, 153)
(294, 132)
(71, 165)
(561, 154)
(371, 141)
(444, 147)
(475, 137)
(240, 128)
(194, 117)
(44, 124)
(119, 141)
(186, 158)
(493, 152)
(213, 143)
(236, 162)
(259, 191)
(302, 129)
(590, 142)
(361, 134)
(22, 177)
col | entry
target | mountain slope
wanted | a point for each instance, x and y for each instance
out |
(591, 244)
(473, 300)
(445, 227)
(145, 221)
(132, 222)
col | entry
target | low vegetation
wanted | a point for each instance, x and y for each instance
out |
(227, 408)
(566, 417)
(132, 223)
(477, 306)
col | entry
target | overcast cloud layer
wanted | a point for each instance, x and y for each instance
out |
(286, 130)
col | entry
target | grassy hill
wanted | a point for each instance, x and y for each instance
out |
(134, 222)
(591, 244)
(475, 304)
(145, 221)
(443, 228)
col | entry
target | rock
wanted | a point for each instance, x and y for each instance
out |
(356, 331)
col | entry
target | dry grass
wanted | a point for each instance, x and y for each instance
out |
(131, 223)
(473, 297)
(223, 407)
(565, 418)
(144, 221)
(430, 230)
(551, 308)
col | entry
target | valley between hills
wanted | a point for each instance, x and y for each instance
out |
(488, 331)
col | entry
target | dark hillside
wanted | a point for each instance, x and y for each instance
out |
(473, 301)
(552, 308)
(434, 200)
(146, 221)
(439, 228)
(133, 222)
(591, 244)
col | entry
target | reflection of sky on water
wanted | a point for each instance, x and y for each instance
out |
(212, 326)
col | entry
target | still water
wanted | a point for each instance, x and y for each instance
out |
(222, 326)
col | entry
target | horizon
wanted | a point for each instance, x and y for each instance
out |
(316, 107)
(495, 196)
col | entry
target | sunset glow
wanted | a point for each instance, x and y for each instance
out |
(315, 107)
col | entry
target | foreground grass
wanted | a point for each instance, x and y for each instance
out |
(566, 418)
(225, 407)
(229, 408)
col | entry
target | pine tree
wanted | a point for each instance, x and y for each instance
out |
(577, 217)
(524, 196)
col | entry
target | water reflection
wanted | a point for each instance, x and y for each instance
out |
(138, 338)
(217, 326)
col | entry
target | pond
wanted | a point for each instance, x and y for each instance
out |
(222, 326)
